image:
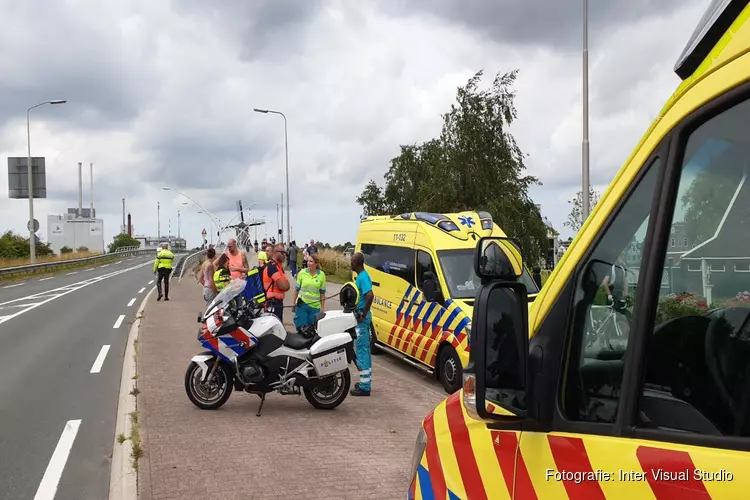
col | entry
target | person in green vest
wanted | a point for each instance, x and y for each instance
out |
(163, 268)
(222, 277)
(310, 293)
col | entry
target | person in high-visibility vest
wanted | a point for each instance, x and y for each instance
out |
(163, 267)
(222, 277)
(310, 294)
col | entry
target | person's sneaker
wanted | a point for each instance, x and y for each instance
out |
(359, 392)
(166, 298)
(158, 298)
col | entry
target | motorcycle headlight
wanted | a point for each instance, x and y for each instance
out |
(419, 446)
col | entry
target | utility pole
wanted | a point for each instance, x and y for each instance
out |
(585, 164)
(282, 218)
(158, 221)
(178, 224)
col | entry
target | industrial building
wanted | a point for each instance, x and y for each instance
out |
(79, 227)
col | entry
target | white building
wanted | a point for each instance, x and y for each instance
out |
(74, 233)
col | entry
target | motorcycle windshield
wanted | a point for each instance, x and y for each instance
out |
(232, 290)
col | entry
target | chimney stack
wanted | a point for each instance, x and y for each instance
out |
(80, 189)
(91, 175)
(124, 227)
(130, 227)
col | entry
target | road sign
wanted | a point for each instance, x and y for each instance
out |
(18, 177)
(36, 225)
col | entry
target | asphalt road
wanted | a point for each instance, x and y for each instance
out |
(59, 383)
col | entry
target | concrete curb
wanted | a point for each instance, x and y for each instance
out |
(123, 481)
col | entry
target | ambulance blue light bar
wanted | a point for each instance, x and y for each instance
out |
(447, 225)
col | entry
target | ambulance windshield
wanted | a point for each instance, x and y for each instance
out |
(462, 281)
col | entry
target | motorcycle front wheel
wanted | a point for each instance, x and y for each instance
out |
(212, 393)
(328, 396)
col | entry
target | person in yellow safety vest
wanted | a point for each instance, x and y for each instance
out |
(222, 276)
(262, 259)
(163, 267)
(310, 294)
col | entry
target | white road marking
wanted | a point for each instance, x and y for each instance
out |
(141, 290)
(68, 274)
(50, 480)
(118, 262)
(105, 265)
(132, 301)
(100, 359)
(45, 279)
(17, 284)
(37, 299)
(89, 269)
(119, 321)
(151, 282)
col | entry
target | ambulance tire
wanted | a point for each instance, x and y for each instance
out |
(449, 369)
(373, 340)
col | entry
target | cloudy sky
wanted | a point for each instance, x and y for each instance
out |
(162, 94)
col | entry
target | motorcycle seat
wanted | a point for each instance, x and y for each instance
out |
(297, 342)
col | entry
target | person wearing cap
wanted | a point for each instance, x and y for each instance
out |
(163, 268)
(262, 258)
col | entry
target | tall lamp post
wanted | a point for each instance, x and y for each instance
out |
(32, 243)
(585, 162)
(286, 153)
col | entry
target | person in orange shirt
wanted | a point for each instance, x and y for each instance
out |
(238, 266)
(275, 282)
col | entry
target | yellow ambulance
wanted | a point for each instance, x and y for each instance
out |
(422, 270)
(558, 402)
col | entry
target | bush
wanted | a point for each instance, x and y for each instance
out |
(81, 249)
(742, 299)
(676, 306)
(122, 240)
(66, 249)
(335, 265)
(14, 246)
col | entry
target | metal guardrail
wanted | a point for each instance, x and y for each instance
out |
(188, 262)
(46, 266)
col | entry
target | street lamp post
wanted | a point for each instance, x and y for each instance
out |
(32, 243)
(286, 153)
(585, 145)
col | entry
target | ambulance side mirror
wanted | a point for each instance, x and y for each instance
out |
(500, 361)
(431, 289)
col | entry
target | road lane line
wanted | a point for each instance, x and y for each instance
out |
(45, 279)
(141, 290)
(17, 284)
(74, 272)
(151, 282)
(105, 265)
(132, 301)
(51, 479)
(50, 295)
(118, 262)
(119, 321)
(97, 367)
(89, 269)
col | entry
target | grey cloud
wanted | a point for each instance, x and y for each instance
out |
(65, 57)
(553, 23)
(265, 28)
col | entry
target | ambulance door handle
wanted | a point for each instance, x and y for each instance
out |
(375, 283)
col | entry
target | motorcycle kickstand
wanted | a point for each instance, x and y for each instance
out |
(262, 400)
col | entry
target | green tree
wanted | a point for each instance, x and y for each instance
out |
(14, 246)
(123, 240)
(575, 217)
(475, 164)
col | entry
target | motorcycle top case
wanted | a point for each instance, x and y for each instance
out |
(254, 290)
(329, 354)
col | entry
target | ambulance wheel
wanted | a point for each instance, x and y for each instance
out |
(450, 371)
(373, 340)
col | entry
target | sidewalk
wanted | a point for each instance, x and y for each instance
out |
(362, 449)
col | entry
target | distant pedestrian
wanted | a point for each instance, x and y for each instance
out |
(207, 276)
(312, 249)
(537, 275)
(163, 268)
(305, 256)
(310, 294)
(364, 318)
(275, 282)
(293, 252)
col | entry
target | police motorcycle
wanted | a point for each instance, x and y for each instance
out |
(250, 350)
